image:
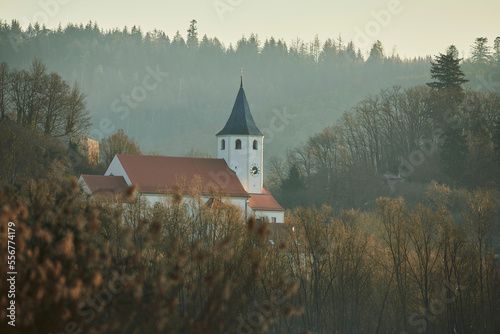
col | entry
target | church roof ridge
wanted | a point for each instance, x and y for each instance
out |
(169, 156)
(154, 173)
(240, 121)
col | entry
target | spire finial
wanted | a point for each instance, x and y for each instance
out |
(241, 75)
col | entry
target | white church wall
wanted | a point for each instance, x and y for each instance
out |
(272, 216)
(255, 157)
(164, 199)
(241, 160)
(153, 198)
(238, 159)
(116, 169)
(223, 153)
(83, 186)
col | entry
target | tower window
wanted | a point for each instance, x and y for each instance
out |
(238, 144)
(254, 144)
(223, 144)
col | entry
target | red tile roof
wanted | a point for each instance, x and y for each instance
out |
(264, 202)
(158, 174)
(100, 185)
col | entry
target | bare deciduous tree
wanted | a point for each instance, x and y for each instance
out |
(117, 143)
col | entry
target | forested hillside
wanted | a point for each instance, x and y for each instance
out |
(388, 168)
(313, 81)
(396, 142)
(334, 116)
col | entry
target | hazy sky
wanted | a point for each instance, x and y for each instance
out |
(413, 27)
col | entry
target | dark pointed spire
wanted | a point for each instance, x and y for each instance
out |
(240, 121)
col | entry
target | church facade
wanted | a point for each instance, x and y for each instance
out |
(236, 174)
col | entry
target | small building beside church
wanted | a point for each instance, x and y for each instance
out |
(236, 173)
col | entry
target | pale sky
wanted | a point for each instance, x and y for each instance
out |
(413, 27)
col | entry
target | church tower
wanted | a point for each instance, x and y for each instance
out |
(240, 143)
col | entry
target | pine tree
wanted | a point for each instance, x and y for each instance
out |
(192, 37)
(376, 52)
(481, 52)
(178, 42)
(447, 86)
(496, 49)
(292, 188)
(446, 72)
(452, 49)
(293, 182)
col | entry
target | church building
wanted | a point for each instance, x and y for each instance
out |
(236, 174)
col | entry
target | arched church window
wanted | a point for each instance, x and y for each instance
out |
(238, 144)
(254, 144)
(223, 144)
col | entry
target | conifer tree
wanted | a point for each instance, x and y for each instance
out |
(376, 52)
(447, 86)
(192, 37)
(292, 188)
(496, 49)
(481, 52)
(446, 72)
(452, 49)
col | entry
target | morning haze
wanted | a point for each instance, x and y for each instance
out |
(238, 166)
(416, 28)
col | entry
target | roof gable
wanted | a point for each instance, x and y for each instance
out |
(264, 202)
(105, 186)
(240, 121)
(158, 174)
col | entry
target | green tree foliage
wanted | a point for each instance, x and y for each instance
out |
(496, 49)
(292, 188)
(376, 52)
(483, 67)
(329, 52)
(445, 70)
(192, 37)
(452, 49)
(481, 52)
(293, 182)
(117, 143)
